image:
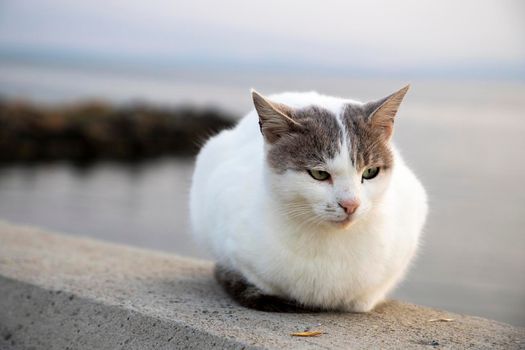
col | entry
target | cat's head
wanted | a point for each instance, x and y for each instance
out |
(328, 165)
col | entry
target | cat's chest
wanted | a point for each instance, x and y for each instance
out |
(333, 272)
(339, 262)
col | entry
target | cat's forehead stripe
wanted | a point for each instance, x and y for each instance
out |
(367, 143)
(323, 134)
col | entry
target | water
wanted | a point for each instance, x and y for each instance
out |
(464, 140)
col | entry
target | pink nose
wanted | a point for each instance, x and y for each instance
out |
(350, 206)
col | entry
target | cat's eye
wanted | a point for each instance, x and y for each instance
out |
(320, 175)
(370, 173)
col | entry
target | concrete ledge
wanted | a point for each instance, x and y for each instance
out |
(60, 292)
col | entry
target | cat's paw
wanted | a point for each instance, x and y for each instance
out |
(362, 305)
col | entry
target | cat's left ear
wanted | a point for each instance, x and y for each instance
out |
(275, 119)
(382, 113)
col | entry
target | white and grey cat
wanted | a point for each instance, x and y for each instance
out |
(307, 205)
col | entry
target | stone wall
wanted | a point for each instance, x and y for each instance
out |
(62, 292)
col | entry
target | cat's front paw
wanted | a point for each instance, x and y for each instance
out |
(362, 305)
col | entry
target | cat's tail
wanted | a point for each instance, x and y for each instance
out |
(248, 295)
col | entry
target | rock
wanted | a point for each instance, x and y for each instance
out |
(93, 130)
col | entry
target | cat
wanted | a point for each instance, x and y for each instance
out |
(307, 205)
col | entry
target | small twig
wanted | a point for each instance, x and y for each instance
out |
(441, 320)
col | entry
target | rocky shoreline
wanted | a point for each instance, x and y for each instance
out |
(95, 130)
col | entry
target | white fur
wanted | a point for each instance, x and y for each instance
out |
(274, 228)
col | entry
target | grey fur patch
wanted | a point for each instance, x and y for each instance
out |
(316, 138)
(369, 144)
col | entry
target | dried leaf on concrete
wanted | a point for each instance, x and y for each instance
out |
(307, 334)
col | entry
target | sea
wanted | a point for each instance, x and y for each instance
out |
(465, 140)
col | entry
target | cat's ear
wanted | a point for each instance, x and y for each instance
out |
(382, 113)
(275, 119)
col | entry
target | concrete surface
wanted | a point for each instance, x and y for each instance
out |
(60, 292)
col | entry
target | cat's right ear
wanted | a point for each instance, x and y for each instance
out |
(382, 113)
(275, 119)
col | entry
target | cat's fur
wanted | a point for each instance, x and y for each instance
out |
(281, 239)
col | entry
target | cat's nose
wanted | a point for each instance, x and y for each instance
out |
(350, 206)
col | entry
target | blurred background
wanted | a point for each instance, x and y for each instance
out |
(103, 105)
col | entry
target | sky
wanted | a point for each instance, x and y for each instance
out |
(481, 37)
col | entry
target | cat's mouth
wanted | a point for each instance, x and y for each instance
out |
(345, 223)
